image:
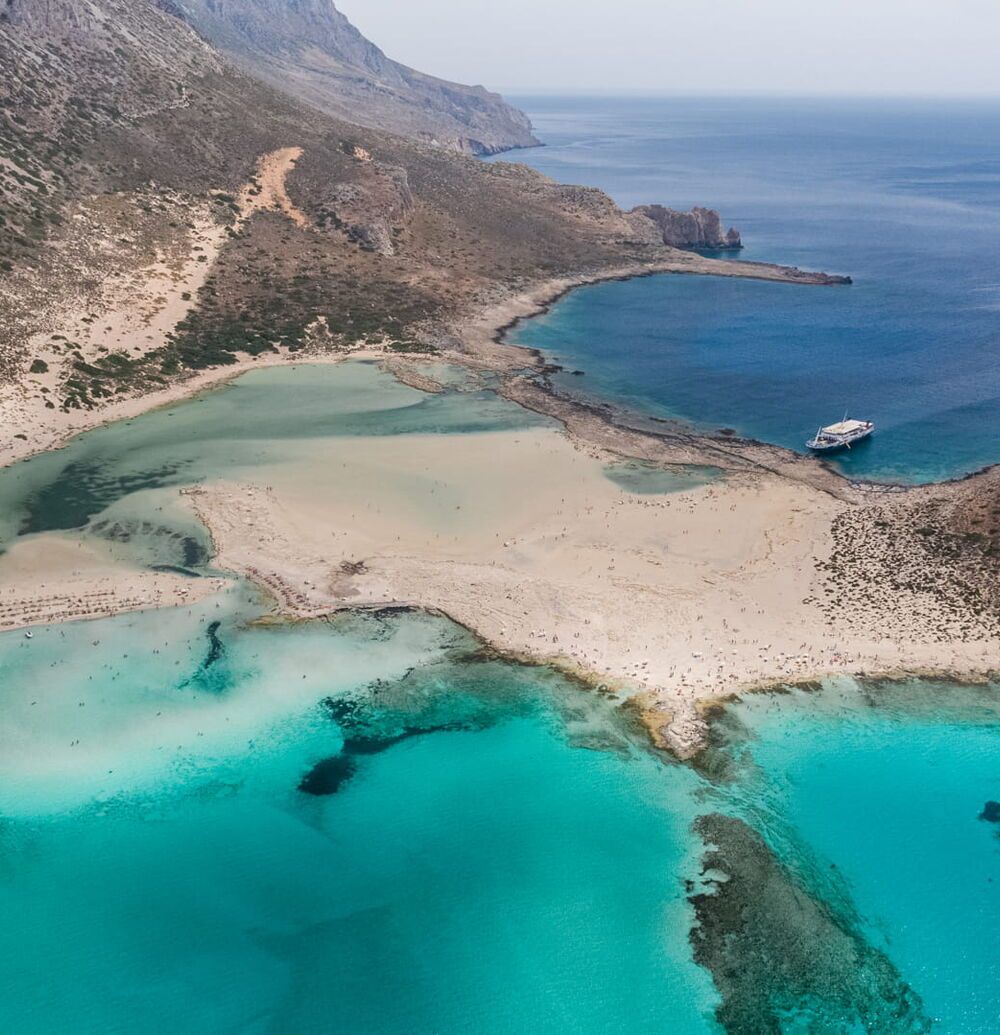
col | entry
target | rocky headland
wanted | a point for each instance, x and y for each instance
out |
(699, 228)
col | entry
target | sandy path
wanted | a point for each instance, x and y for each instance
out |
(267, 190)
(135, 311)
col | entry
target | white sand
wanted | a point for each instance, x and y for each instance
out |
(519, 536)
(52, 578)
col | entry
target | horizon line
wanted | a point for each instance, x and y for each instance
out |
(583, 91)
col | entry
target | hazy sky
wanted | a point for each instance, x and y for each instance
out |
(728, 46)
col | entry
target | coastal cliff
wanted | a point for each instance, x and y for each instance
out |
(699, 228)
(309, 49)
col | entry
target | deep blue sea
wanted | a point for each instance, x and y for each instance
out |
(903, 196)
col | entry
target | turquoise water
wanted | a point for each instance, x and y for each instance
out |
(211, 824)
(904, 196)
(500, 858)
(875, 797)
(495, 849)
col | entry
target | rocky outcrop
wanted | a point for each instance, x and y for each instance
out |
(309, 49)
(372, 210)
(699, 228)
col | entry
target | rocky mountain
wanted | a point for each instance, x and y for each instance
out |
(309, 49)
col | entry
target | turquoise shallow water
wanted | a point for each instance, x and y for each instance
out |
(499, 853)
(364, 825)
(876, 797)
(646, 479)
(128, 472)
(165, 872)
(904, 196)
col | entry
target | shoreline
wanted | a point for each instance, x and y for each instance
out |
(496, 321)
(683, 598)
(470, 588)
(179, 391)
(542, 299)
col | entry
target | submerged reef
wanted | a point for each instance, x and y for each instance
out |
(991, 812)
(484, 689)
(781, 957)
(364, 736)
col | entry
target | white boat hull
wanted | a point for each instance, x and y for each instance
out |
(827, 443)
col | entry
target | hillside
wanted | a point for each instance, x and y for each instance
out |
(310, 50)
(129, 143)
(163, 213)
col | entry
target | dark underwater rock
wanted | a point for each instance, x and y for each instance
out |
(328, 776)
(366, 732)
(991, 812)
(777, 952)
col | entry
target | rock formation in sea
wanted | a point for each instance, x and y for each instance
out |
(776, 950)
(309, 49)
(699, 228)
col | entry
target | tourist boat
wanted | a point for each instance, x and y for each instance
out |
(841, 435)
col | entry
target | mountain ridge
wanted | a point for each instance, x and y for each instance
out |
(163, 213)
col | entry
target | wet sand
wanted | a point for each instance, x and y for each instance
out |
(54, 579)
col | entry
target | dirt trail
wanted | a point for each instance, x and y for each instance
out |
(132, 310)
(267, 190)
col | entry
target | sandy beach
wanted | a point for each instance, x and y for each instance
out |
(520, 536)
(681, 597)
(53, 579)
(673, 600)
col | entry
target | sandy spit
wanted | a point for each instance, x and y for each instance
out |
(671, 599)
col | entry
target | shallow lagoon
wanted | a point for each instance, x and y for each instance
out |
(491, 848)
(264, 420)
